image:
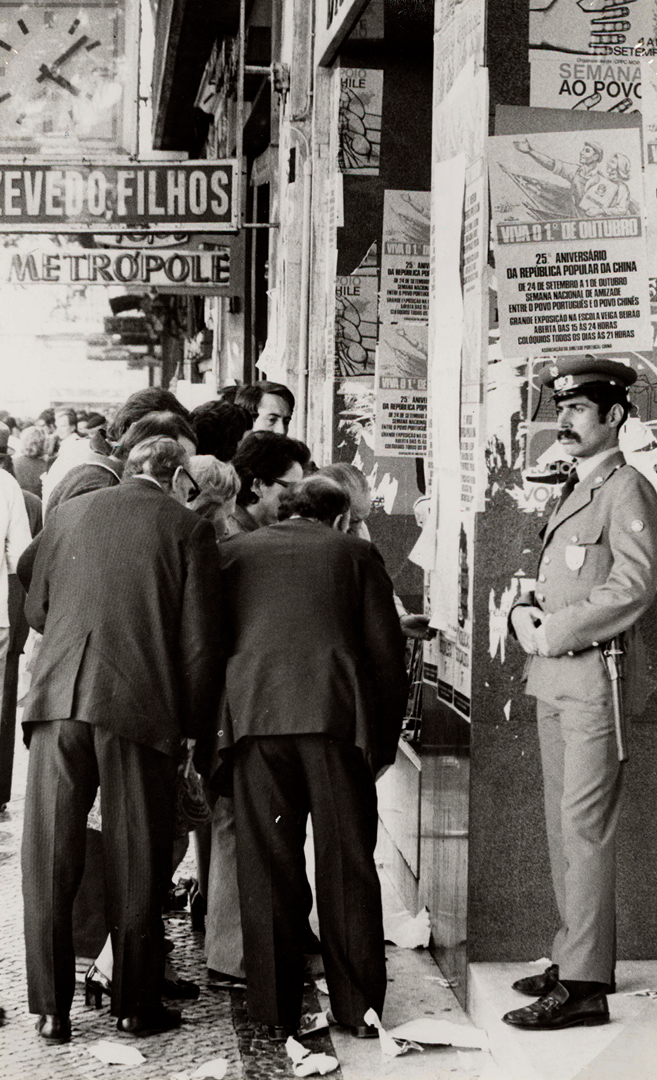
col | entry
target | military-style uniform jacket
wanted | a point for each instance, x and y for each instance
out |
(597, 575)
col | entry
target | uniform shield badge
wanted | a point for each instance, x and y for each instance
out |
(575, 555)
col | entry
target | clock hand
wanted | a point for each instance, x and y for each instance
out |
(64, 57)
(70, 52)
(46, 73)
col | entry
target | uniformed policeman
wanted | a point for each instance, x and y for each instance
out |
(597, 575)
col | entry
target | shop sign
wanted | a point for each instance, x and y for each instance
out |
(56, 197)
(194, 270)
(335, 18)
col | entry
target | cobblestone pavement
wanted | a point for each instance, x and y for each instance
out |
(216, 1025)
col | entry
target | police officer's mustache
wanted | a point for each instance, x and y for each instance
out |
(566, 433)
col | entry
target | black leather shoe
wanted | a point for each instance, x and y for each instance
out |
(539, 985)
(558, 1010)
(280, 1034)
(54, 1028)
(153, 1021)
(365, 1031)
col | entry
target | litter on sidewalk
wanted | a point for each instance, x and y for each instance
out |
(305, 1063)
(410, 1035)
(312, 1022)
(112, 1053)
(406, 931)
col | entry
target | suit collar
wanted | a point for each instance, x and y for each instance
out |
(146, 483)
(584, 491)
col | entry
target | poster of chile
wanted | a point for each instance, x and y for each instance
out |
(569, 242)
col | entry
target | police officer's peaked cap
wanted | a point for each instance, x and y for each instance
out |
(568, 374)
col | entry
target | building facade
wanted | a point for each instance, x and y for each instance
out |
(365, 131)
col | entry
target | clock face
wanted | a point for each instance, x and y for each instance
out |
(65, 79)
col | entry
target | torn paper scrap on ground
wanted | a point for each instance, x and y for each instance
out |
(408, 932)
(311, 1022)
(321, 986)
(214, 1070)
(389, 1046)
(641, 993)
(116, 1053)
(305, 1063)
(441, 1033)
(543, 961)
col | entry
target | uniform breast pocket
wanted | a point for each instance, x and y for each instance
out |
(585, 550)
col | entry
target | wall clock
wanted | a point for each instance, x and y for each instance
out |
(69, 76)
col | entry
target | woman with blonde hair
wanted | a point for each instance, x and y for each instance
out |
(219, 484)
(30, 464)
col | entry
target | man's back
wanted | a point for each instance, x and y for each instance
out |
(314, 643)
(124, 589)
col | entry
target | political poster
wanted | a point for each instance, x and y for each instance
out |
(356, 304)
(401, 391)
(401, 366)
(359, 122)
(649, 128)
(586, 83)
(405, 257)
(570, 246)
(595, 27)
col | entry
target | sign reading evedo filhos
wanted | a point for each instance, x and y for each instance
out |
(54, 197)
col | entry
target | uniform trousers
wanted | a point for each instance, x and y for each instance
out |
(582, 791)
(68, 759)
(278, 780)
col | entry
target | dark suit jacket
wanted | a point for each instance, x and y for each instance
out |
(313, 639)
(125, 592)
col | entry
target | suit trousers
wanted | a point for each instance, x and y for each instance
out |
(223, 925)
(68, 760)
(8, 691)
(278, 780)
(582, 791)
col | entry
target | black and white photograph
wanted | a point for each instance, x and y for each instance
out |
(328, 539)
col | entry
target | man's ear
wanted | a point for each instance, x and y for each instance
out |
(615, 415)
(256, 488)
(342, 521)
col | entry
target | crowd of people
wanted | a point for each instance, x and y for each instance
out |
(220, 650)
(216, 648)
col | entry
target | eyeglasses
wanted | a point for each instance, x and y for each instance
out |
(285, 483)
(194, 490)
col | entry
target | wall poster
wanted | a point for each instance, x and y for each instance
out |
(608, 28)
(359, 122)
(356, 304)
(401, 373)
(570, 248)
(586, 83)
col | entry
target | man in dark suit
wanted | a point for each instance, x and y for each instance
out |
(124, 590)
(315, 695)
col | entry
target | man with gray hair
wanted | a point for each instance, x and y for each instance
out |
(315, 694)
(124, 591)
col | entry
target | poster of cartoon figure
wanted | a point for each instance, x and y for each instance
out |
(359, 123)
(570, 246)
(356, 302)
